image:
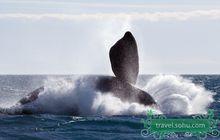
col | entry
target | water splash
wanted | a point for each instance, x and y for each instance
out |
(173, 94)
(177, 95)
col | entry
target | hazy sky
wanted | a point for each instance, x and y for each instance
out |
(74, 37)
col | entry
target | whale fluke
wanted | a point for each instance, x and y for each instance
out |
(124, 59)
(124, 90)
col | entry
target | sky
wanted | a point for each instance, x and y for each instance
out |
(74, 37)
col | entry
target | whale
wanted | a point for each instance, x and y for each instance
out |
(125, 66)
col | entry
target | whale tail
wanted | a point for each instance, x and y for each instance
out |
(124, 58)
(125, 65)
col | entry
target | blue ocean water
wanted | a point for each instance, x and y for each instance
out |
(122, 121)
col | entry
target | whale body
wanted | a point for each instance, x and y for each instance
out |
(124, 61)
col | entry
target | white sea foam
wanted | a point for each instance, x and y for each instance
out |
(173, 94)
(177, 95)
(62, 96)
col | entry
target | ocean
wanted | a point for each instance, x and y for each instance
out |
(101, 116)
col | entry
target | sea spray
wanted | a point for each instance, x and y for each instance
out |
(177, 95)
(77, 96)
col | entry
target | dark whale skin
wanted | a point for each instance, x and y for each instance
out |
(124, 59)
(123, 90)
